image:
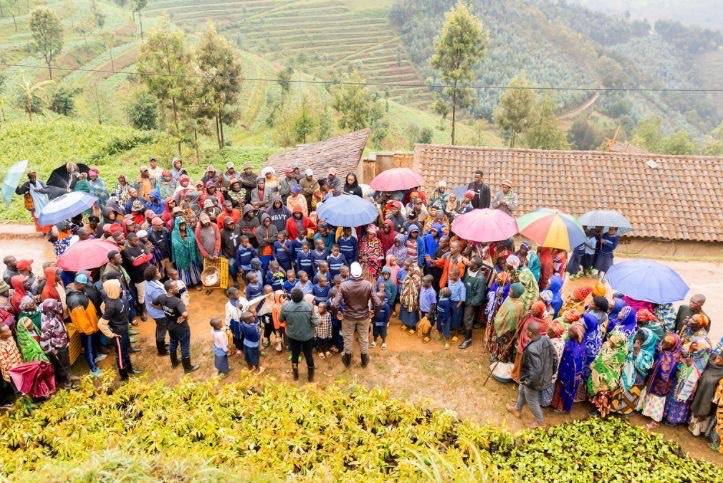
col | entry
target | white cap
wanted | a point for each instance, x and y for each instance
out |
(142, 234)
(309, 172)
(230, 165)
(355, 269)
(442, 184)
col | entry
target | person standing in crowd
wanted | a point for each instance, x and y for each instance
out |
(539, 365)
(351, 186)
(694, 307)
(135, 261)
(356, 294)
(506, 200)
(185, 253)
(114, 325)
(177, 324)
(84, 317)
(301, 320)
(481, 191)
(154, 170)
(608, 243)
(153, 289)
(569, 375)
(333, 183)
(97, 188)
(475, 293)
(35, 196)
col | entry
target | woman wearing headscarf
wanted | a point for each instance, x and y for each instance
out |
(29, 347)
(17, 282)
(272, 182)
(495, 296)
(605, 371)
(167, 185)
(185, 253)
(556, 289)
(677, 404)
(178, 170)
(52, 282)
(387, 235)
(703, 409)
(371, 255)
(54, 340)
(414, 244)
(525, 277)
(569, 376)
(646, 319)
(576, 300)
(661, 379)
(97, 187)
(431, 243)
(617, 306)
(638, 361)
(35, 196)
(536, 314)
(544, 254)
(409, 298)
(593, 343)
(29, 310)
(298, 222)
(626, 322)
(695, 326)
(506, 322)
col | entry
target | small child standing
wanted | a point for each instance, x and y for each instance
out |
(320, 291)
(322, 271)
(336, 260)
(428, 299)
(323, 331)
(252, 336)
(283, 251)
(220, 346)
(458, 295)
(304, 283)
(264, 315)
(589, 256)
(381, 323)
(290, 282)
(444, 314)
(254, 287)
(182, 289)
(389, 285)
(275, 276)
(233, 320)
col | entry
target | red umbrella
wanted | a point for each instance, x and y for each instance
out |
(396, 179)
(86, 254)
(485, 225)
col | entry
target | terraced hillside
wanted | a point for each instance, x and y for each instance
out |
(322, 37)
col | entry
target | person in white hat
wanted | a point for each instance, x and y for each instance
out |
(309, 185)
(440, 194)
(506, 200)
(356, 293)
(230, 175)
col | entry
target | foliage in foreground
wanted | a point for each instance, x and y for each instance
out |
(258, 427)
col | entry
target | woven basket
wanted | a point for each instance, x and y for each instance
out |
(215, 273)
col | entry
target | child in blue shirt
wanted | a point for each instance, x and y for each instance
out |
(335, 260)
(348, 245)
(381, 322)
(444, 314)
(254, 287)
(297, 245)
(283, 251)
(304, 261)
(389, 286)
(320, 291)
(304, 283)
(336, 337)
(275, 276)
(252, 337)
(427, 298)
(319, 254)
(458, 295)
(322, 272)
(244, 254)
(290, 282)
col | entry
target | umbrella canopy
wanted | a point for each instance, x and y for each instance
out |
(65, 207)
(459, 191)
(551, 228)
(608, 218)
(396, 179)
(61, 178)
(647, 280)
(347, 210)
(85, 255)
(12, 179)
(485, 225)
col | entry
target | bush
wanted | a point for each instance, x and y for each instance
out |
(63, 101)
(142, 430)
(143, 112)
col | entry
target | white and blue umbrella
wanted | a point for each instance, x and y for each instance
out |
(65, 207)
(347, 210)
(606, 218)
(648, 281)
(12, 179)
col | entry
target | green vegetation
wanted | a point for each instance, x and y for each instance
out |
(253, 427)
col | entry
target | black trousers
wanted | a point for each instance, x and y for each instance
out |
(161, 329)
(61, 366)
(299, 346)
(122, 345)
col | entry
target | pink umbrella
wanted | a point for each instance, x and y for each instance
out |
(36, 378)
(485, 225)
(396, 179)
(86, 254)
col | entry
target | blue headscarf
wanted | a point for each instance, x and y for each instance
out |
(626, 321)
(618, 305)
(636, 368)
(571, 366)
(556, 288)
(592, 341)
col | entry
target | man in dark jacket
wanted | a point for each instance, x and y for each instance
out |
(481, 191)
(356, 293)
(539, 364)
(476, 290)
(161, 239)
(230, 240)
(135, 261)
(301, 320)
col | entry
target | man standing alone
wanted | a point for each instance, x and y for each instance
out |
(356, 293)
(481, 191)
(539, 364)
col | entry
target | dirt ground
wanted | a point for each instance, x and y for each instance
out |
(408, 369)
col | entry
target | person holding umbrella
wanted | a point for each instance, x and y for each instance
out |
(35, 194)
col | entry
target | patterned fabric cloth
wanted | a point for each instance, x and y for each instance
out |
(9, 357)
(53, 336)
(532, 291)
(653, 406)
(666, 314)
(323, 330)
(371, 255)
(29, 347)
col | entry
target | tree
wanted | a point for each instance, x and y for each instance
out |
(358, 107)
(515, 107)
(164, 64)
(304, 123)
(29, 99)
(220, 80)
(647, 134)
(713, 145)
(584, 135)
(284, 81)
(461, 44)
(47, 35)
(545, 131)
(142, 112)
(139, 5)
(325, 124)
(63, 101)
(679, 143)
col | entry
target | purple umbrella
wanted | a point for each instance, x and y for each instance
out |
(648, 281)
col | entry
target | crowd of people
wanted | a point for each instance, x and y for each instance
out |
(300, 285)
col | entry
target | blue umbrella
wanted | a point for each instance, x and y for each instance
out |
(459, 191)
(12, 179)
(347, 210)
(647, 280)
(65, 207)
(606, 218)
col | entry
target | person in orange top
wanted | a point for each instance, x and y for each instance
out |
(279, 326)
(453, 258)
(228, 211)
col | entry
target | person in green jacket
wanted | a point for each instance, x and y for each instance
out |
(476, 290)
(301, 320)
